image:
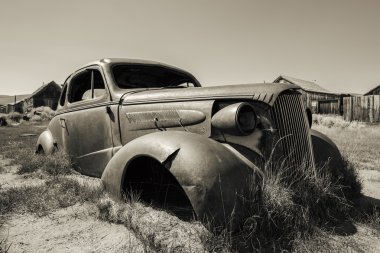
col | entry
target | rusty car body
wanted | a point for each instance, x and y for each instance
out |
(151, 128)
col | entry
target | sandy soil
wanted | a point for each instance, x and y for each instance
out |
(9, 177)
(76, 229)
(71, 229)
(371, 183)
(365, 239)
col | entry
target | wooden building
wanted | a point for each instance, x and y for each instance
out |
(318, 99)
(46, 95)
(362, 108)
(374, 91)
(12, 103)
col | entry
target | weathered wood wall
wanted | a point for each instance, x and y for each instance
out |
(331, 106)
(362, 108)
(311, 99)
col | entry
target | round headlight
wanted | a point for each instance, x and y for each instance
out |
(236, 119)
(246, 118)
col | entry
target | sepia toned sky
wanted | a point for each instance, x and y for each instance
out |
(336, 43)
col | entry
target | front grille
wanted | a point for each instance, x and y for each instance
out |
(294, 141)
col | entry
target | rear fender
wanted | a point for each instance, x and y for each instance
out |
(46, 143)
(213, 177)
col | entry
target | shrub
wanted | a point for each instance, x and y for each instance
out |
(44, 112)
(296, 201)
(36, 118)
(330, 121)
(156, 229)
(55, 164)
(15, 116)
(3, 119)
(55, 193)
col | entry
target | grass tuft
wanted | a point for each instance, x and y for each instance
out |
(4, 245)
(59, 192)
(335, 121)
(55, 164)
(294, 203)
(15, 116)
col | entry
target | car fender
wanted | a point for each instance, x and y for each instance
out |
(325, 151)
(46, 142)
(213, 177)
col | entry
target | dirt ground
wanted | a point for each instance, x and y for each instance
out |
(77, 228)
(365, 239)
(70, 229)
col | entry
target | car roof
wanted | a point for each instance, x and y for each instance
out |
(112, 61)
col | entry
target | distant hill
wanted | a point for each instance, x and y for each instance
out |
(6, 99)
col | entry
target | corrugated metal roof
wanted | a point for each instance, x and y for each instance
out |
(306, 85)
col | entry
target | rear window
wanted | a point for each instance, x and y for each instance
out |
(143, 76)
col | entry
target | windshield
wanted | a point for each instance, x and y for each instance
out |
(143, 76)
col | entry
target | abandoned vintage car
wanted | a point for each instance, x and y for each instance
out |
(151, 128)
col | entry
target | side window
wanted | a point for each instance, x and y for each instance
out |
(62, 99)
(86, 85)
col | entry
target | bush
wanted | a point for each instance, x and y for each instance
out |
(15, 116)
(296, 201)
(55, 193)
(3, 120)
(44, 112)
(36, 118)
(335, 121)
(55, 164)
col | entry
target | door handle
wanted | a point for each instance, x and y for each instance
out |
(62, 122)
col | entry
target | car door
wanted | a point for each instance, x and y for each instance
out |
(86, 123)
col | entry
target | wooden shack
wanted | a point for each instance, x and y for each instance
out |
(317, 98)
(374, 91)
(47, 95)
(362, 108)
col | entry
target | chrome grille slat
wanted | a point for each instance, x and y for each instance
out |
(298, 120)
(288, 135)
(282, 129)
(290, 119)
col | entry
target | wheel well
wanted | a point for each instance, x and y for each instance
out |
(40, 149)
(156, 185)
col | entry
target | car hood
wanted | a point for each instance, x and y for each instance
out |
(265, 92)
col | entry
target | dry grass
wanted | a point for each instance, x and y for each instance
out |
(44, 113)
(334, 121)
(155, 228)
(56, 164)
(4, 245)
(359, 142)
(15, 116)
(292, 213)
(294, 203)
(41, 199)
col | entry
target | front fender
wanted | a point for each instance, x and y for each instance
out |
(213, 177)
(326, 153)
(46, 142)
